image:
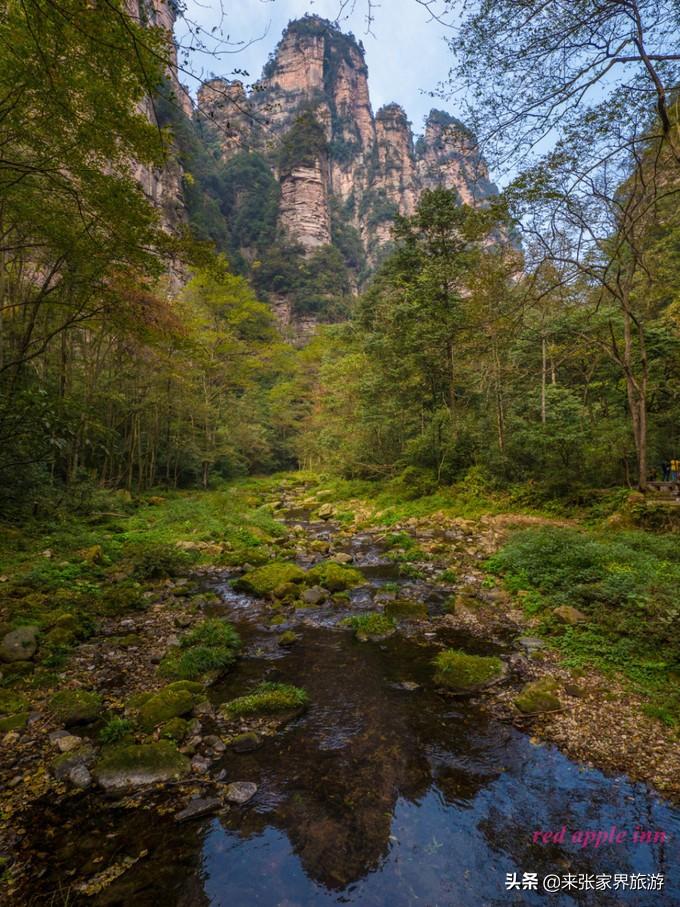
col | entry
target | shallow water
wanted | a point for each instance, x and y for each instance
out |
(376, 796)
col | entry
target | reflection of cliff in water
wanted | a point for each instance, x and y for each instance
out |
(335, 780)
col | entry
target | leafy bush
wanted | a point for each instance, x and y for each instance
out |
(115, 729)
(157, 561)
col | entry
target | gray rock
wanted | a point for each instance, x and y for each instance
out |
(342, 558)
(198, 808)
(200, 765)
(80, 777)
(531, 643)
(215, 743)
(314, 595)
(20, 644)
(68, 743)
(240, 792)
(409, 686)
(57, 735)
(63, 765)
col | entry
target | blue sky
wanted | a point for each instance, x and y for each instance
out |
(406, 52)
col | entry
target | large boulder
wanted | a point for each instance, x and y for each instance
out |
(124, 767)
(20, 644)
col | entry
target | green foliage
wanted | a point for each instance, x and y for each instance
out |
(303, 145)
(267, 698)
(157, 561)
(369, 625)
(210, 648)
(626, 582)
(115, 730)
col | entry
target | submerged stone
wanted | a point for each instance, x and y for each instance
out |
(246, 743)
(240, 792)
(198, 808)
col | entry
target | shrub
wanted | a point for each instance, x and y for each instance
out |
(157, 561)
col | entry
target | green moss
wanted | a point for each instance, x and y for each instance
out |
(334, 577)
(264, 580)
(288, 638)
(459, 671)
(371, 625)
(11, 703)
(267, 698)
(76, 706)
(175, 729)
(118, 765)
(402, 609)
(14, 722)
(172, 701)
(157, 560)
(539, 696)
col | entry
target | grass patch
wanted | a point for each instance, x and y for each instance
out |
(267, 698)
(627, 583)
(211, 647)
(368, 625)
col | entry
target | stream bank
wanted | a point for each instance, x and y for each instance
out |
(386, 789)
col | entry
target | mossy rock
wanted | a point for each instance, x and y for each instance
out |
(286, 591)
(264, 580)
(175, 729)
(334, 577)
(73, 707)
(11, 703)
(539, 696)
(277, 620)
(267, 698)
(170, 702)
(62, 764)
(402, 609)
(462, 672)
(371, 627)
(288, 638)
(59, 636)
(13, 722)
(127, 766)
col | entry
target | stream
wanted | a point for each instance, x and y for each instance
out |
(379, 794)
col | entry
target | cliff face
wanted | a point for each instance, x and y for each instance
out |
(370, 168)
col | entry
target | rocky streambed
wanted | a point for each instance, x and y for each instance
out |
(347, 755)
